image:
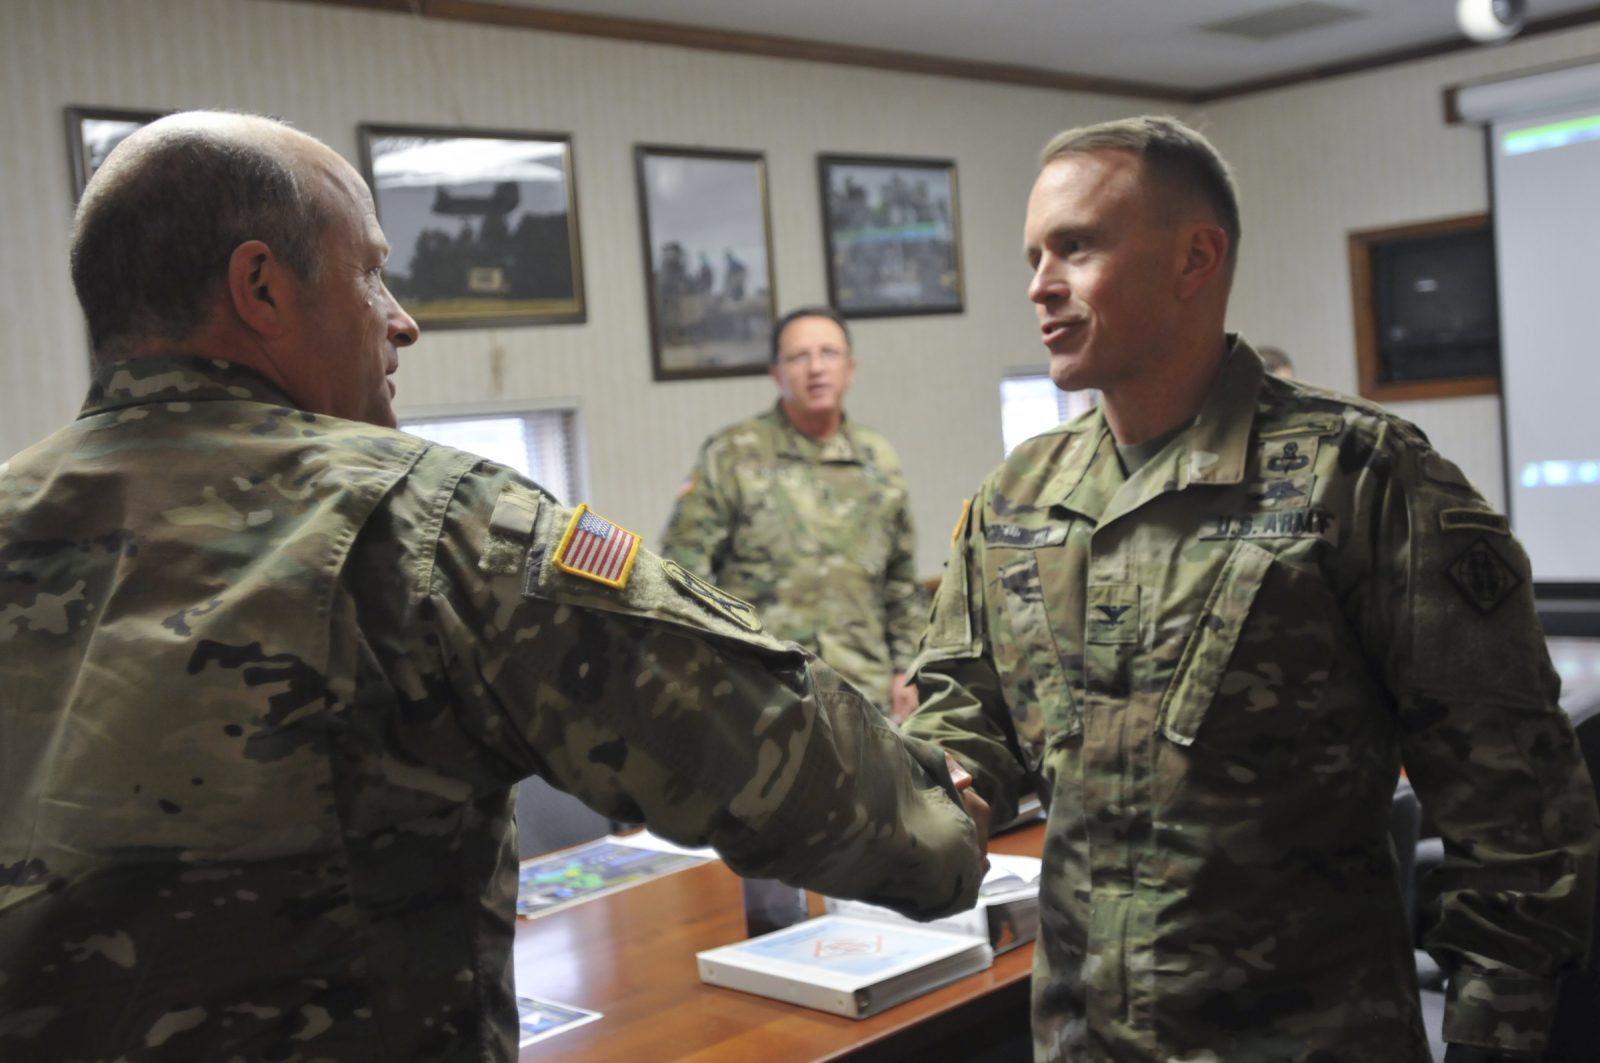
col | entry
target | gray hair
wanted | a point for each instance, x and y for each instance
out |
(160, 219)
(1177, 158)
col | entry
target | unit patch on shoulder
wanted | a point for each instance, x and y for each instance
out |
(1483, 577)
(718, 601)
(596, 549)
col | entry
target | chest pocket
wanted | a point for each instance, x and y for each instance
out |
(1205, 656)
(1029, 656)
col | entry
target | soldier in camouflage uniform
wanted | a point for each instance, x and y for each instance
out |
(1208, 622)
(803, 513)
(271, 674)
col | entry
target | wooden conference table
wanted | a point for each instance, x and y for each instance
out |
(630, 955)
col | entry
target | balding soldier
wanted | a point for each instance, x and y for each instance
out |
(804, 513)
(272, 667)
(1209, 621)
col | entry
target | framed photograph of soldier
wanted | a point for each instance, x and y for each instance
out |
(708, 263)
(91, 134)
(482, 224)
(891, 229)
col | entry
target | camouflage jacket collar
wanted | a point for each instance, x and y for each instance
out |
(793, 443)
(1219, 439)
(1213, 449)
(176, 378)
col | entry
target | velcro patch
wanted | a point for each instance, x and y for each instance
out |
(712, 597)
(1309, 426)
(596, 549)
(1289, 456)
(510, 531)
(1483, 577)
(1473, 520)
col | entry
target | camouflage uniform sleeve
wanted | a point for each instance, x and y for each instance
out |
(1490, 752)
(900, 593)
(960, 705)
(701, 525)
(663, 702)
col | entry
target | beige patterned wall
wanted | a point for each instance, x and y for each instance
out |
(1314, 162)
(931, 384)
(1363, 152)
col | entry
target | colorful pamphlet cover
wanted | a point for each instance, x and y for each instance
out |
(851, 967)
(548, 883)
(538, 1019)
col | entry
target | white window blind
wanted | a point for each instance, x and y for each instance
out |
(1031, 403)
(540, 444)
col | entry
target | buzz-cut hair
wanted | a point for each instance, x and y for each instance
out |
(158, 223)
(1178, 159)
(805, 311)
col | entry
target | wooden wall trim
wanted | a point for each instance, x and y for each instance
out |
(1412, 54)
(486, 12)
(1368, 363)
(760, 44)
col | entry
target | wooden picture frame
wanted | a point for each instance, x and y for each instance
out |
(91, 134)
(482, 224)
(1380, 378)
(707, 235)
(891, 235)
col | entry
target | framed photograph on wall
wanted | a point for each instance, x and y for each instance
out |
(708, 262)
(91, 134)
(482, 225)
(892, 233)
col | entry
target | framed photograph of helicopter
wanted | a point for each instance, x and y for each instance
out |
(482, 224)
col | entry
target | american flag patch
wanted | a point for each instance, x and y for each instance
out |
(597, 549)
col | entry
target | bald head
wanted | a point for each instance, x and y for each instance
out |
(159, 220)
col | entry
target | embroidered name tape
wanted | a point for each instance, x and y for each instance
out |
(1024, 538)
(596, 549)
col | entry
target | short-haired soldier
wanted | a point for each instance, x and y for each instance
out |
(1209, 621)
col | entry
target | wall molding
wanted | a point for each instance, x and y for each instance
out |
(772, 46)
